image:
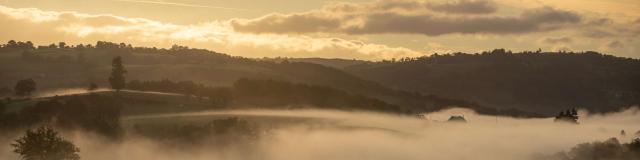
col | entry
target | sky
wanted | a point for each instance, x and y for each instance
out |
(355, 29)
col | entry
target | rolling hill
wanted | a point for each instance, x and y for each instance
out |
(74, 67)
(541, 82)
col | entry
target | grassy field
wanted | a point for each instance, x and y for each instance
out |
(135, 102)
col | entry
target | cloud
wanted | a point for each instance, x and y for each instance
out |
(597, 33)
(341, 30)
(417, 6)
(465, 7)
(296, 23)
(600, 21)
(365, 19)
(606, 28)
(437, 48)
(615, 44)
(47, 27)
(556, 40)
(468, 19)
(530, 21)
(180, 4)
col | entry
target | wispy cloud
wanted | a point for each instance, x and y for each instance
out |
(180, 4)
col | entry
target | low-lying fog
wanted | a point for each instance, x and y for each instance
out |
(78, 91)
(336, 135)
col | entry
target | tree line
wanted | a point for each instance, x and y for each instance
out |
(101, 45)
(94, 113)
(611, 149)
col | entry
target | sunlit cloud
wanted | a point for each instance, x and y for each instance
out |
(408, 17)
(180, 4)
(465, 7)
(47, 27)
(364, 30)
(557, 40)
(534, 24)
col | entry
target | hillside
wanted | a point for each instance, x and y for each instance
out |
(531, 81)
(496, 82)
(78, 66)
(267, 94)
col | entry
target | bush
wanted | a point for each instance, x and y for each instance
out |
(45, 144)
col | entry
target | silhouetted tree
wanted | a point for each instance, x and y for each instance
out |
(117, 79)
(25, 87)
(29, 45)
(570, 115)
(62, 44)
(80, 46)
(44, 143)
(574, 112)
(12, 44)
(18, 45)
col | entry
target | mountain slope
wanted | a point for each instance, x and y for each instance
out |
(536, 82)
(77, 67)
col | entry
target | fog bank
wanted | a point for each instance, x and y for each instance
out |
(339, 135)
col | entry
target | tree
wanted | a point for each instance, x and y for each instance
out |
(44, 143)
(117, 79)
(29, 45)
(12, 44)
(25, 87)
(62, 44)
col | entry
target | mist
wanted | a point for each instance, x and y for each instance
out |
(318, 80)
(341, 135)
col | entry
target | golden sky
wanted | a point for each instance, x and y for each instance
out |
(360, 29)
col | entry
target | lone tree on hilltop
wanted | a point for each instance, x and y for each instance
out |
(117, 79)
(44, 143)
